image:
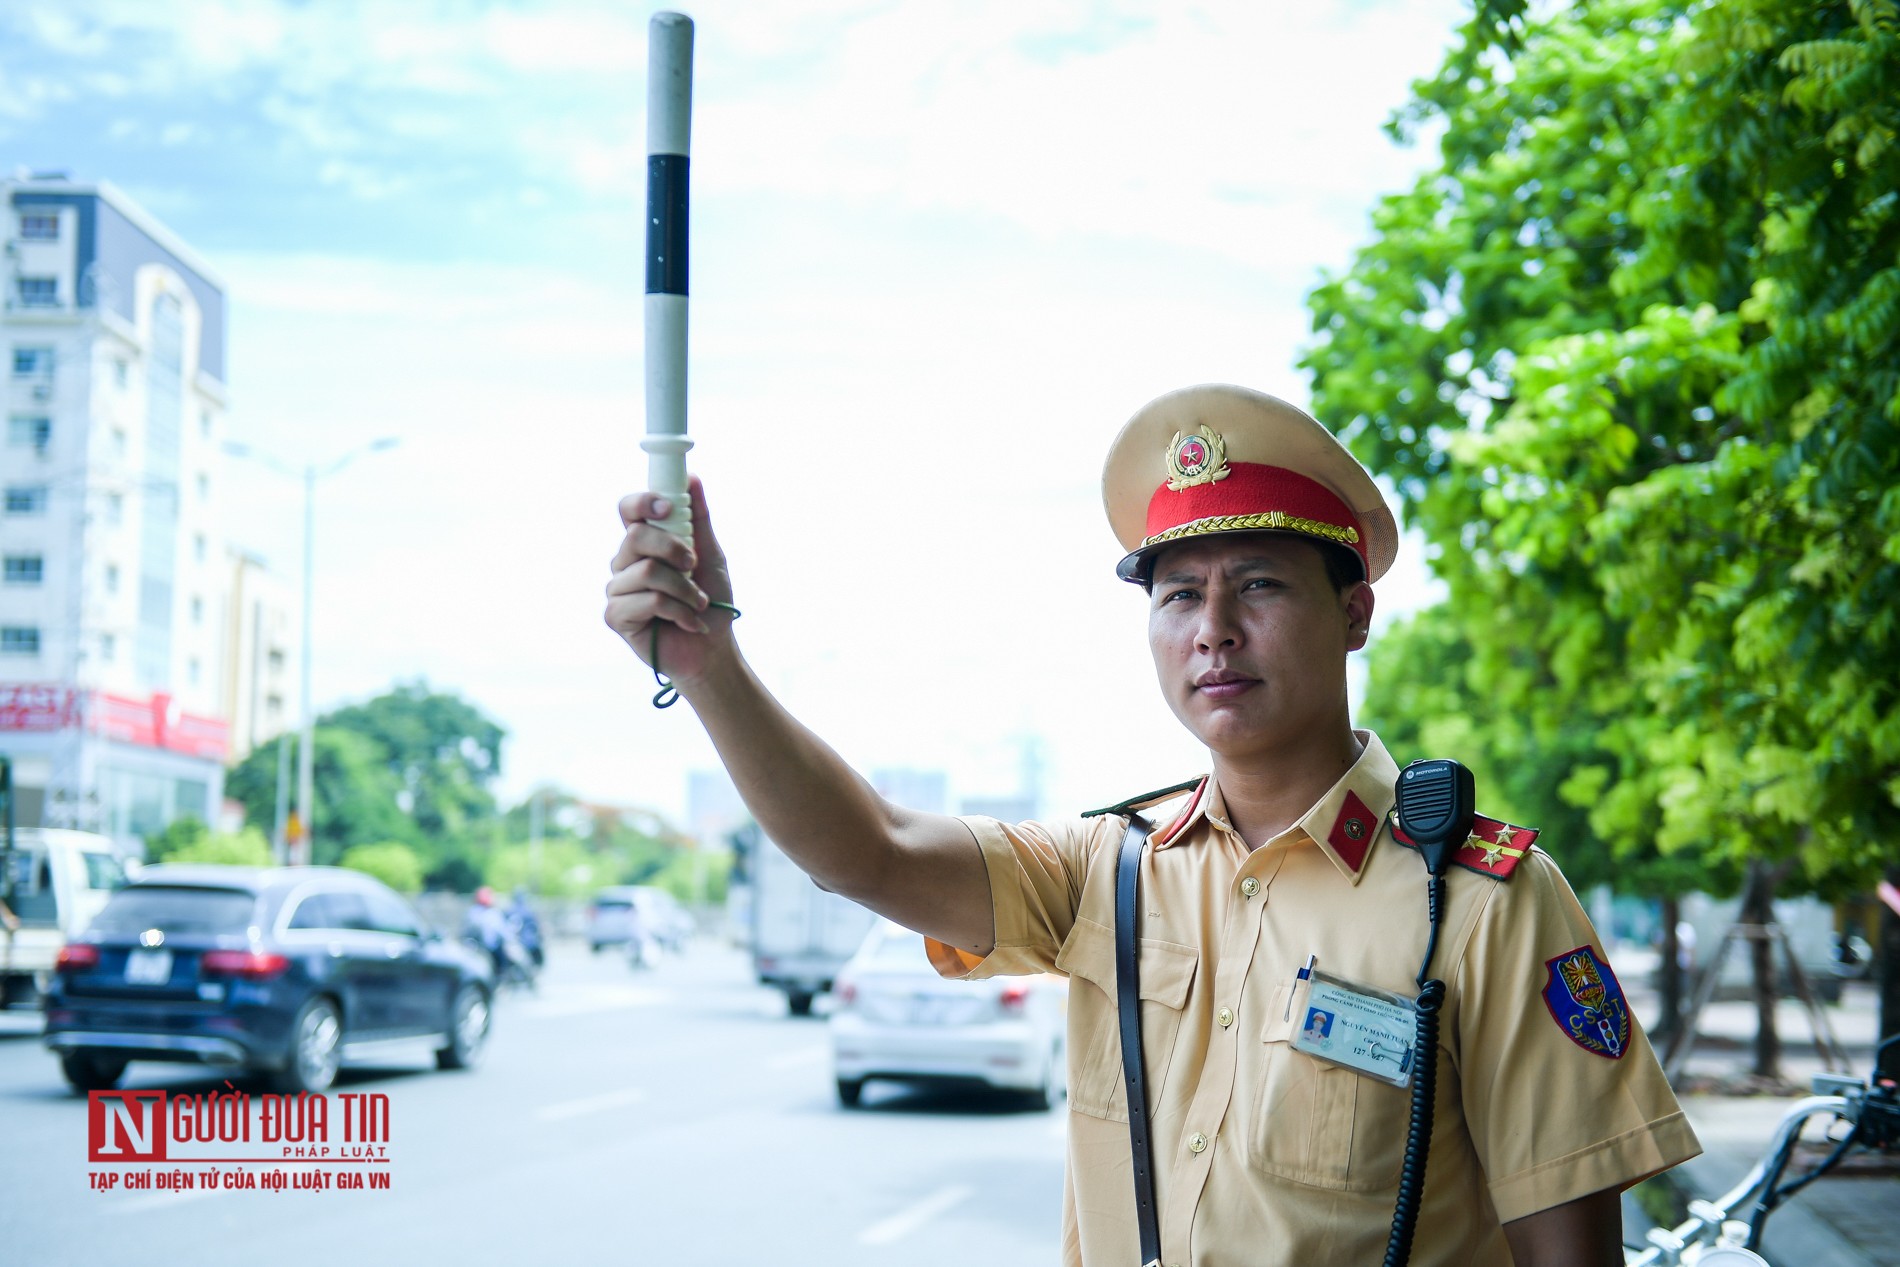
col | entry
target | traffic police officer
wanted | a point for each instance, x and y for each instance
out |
(1274, 888)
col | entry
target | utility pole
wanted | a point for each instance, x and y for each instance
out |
(299, 841)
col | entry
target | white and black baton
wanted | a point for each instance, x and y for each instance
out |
(669, 147)
(669, 134)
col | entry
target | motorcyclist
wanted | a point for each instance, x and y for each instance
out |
(526, 927)
(487, 927)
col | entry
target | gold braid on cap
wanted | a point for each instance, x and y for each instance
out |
(1266, 519)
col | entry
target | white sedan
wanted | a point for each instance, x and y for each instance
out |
(896, 1018)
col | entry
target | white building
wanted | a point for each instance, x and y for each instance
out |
(113, 606)
(261, 646)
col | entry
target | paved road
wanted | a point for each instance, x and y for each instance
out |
(674, 1115)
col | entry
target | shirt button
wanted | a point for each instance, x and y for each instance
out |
(1250, 886)
(1225, 1016)
(1197, 1143)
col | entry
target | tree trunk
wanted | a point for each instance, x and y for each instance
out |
(1887, 973)
(1669, 975)
(1758, 909)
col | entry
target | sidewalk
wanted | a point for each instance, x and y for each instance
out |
(1851, 1218)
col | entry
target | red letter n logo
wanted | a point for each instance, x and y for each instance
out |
(125, 1126)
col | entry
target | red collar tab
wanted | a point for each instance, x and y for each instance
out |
(1246, 496)
(1167, 834)
(1353, 831)
(1493, 848)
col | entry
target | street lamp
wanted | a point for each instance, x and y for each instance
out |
(310, 473)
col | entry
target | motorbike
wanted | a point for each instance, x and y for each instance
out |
(1727, 1232)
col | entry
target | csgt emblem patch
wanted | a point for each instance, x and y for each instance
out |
(1587, 1002)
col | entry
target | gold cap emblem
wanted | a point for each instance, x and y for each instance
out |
(1197, 458)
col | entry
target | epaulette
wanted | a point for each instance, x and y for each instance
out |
(1135, 804)
(1493, 848)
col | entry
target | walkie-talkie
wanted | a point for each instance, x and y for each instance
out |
(1437, 800)
(1436, 803)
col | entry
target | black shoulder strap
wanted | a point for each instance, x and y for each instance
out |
(1128, 1010)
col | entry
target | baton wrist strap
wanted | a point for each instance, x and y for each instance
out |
(1128, 1013)
(668, 695)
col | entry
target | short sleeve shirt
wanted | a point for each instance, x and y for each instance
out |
(1262, 1153)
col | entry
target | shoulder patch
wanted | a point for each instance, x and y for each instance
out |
(1135, 804)
(1586, 1001)
(1493, 848)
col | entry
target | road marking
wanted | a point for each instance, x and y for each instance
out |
(590, 999)
(793, 1059)
(904, 1222)
(592, 1104)
(162, 1201)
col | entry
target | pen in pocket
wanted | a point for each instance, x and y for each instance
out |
(1304, 974)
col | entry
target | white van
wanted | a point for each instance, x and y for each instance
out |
(52, 882)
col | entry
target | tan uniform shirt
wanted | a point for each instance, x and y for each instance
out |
(1262, 1153)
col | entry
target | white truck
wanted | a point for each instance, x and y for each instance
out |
(801, 935)
(52, 882)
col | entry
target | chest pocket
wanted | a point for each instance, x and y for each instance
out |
(1095, 1054)
(1319, 1124)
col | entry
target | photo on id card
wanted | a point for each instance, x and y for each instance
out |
(1367, 1030)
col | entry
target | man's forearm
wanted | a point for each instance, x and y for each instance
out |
(922, 870)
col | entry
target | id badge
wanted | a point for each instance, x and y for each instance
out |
(1365, 1030)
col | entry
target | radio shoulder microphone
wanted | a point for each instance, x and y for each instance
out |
(1436, 803)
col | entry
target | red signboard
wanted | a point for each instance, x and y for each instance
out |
(156, 722)
(37, 706)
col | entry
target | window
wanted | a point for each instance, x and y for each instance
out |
(331, 911)
(274, 705)
(204, 487)
(39, 292)
(198, 551)
(194, 671)
(204, 423)
(20, 640)
(27, 432)
(390, 914)
(276, 660)
(39, 226)
(118, 442)
(32, 362)
(26, 499)
(115, 508)
(197, 610)
(121, 372)
(108, 647)
(25, 569)
(112, 578)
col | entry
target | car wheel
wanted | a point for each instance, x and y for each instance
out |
(468, 1030)
(799, 1001)
(316, 1048)
(850, 1091)
(88, 1072)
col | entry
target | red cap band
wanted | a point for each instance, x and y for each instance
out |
(1254, 497)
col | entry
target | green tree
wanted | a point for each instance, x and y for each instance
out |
(1628, 355)
(246, 848)
(392, 862)
(177, 836)
(443, 752)
(357, 793)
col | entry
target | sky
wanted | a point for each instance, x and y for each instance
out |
(940, 253)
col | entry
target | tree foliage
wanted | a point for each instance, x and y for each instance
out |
(1630, 354)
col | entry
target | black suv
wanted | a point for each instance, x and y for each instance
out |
(278, 970)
